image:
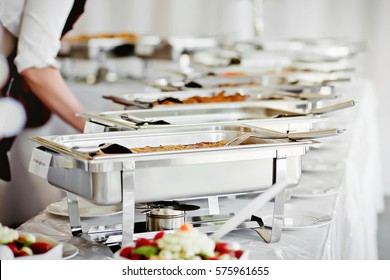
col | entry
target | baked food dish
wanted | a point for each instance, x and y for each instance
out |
(161, 148)
(220, 97)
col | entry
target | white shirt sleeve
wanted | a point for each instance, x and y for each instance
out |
(40, 32)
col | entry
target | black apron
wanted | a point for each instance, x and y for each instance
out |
(37, 113)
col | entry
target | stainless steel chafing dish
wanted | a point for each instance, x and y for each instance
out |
(263, 163)
(262, 114)
(250, 113)
(271, 80)
(285, 100)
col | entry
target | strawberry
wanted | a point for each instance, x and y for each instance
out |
(213, 258)
(13, 247)
(238, 253)
(135, 257)
(40, 247)
(222, 248)
(126, 252)
(158, 235)
(21, 254)
(142, 242)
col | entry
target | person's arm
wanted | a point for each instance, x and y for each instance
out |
(38, 46)
(49, 86)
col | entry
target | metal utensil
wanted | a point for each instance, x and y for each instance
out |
(318, 111)
(106, 148)
(274, 93)
(141, 121)
(291, 136)
(126, 102)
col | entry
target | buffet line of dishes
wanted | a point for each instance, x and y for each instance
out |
(219, 131)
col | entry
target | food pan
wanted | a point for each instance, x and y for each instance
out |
(270, 80)
(289, 100)
(170, 174)
(251, 113)
(270, 160)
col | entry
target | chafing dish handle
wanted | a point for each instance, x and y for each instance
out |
(126, 102)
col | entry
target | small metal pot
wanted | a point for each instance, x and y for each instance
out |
(164, 219)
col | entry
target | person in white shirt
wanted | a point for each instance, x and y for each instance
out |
(32, 31)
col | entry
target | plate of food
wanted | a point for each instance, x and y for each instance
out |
(186, 243)
(28, 246)
(86, 208)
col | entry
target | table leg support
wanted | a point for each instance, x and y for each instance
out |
(74, 215)
(128, 202)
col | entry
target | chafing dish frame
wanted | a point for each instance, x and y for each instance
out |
(281, 157)
(253, 94)
(204, 114)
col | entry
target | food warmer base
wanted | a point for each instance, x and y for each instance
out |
(265, 165)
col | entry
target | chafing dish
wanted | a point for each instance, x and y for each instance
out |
(130, 178)
(250, 113)
(302, 78)
(261, 114)
(268, 97)
(90, 46)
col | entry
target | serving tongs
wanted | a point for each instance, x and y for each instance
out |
(290, 136)
(106, 148)
(275, 93)
(140, 121)
(140, 103)
(127, 102)
(317, 111)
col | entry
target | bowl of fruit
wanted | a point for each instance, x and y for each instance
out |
(186, 243)
(27, 246)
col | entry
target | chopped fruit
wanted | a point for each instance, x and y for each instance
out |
(223, 248)
(126, 252)
(187, 243)
(7, 235)
(238, 253)
(13, 247)
(22, 244)
(27, 250)
(27, 238)
(146, 251)
(21, 254)
(158, 235)
(135, 257)
(186, 227)
(40, 247)
(142, 242)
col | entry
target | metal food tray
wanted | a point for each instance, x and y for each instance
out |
(90, 46)
(238, 113)
(131, 178)
(273, 80)
(144, 100)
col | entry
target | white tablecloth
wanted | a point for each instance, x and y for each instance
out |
(350, 162)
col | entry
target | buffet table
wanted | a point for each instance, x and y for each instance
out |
(348, 164)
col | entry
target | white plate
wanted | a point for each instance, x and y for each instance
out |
(87, 209)
(312, 186)
(69, 251)
(310, 164)
(300, 220)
